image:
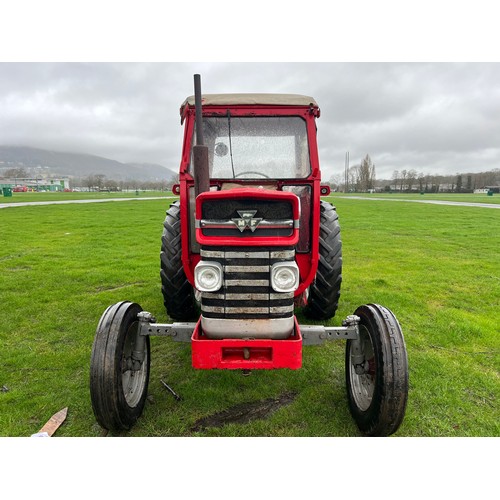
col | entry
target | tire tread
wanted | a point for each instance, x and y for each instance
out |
(324, 292)
(177, 291)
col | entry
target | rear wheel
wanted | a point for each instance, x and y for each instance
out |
(178, 293)
(377, 372)
(324, 293)
(119, 368)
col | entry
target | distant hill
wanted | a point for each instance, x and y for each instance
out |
(80, 165)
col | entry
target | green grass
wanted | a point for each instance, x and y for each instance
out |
(465, 197)
(82, 195)
(436, 267)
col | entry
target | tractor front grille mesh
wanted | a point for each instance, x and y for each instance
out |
(273, 218)
(246, 292)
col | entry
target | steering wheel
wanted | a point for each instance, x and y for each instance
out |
(252, 172)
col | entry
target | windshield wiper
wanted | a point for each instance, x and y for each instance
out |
(230, 145)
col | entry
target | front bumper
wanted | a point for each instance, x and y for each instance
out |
(246, 353)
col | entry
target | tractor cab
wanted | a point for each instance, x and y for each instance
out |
(257, 146)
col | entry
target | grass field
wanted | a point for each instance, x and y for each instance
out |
(465, 197)
(436, 267)
(82, 195)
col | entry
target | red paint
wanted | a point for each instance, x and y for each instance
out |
(245, 193)
(307, 262)
(262, 354)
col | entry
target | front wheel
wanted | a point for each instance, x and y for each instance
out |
(377, 372)
(119, 368)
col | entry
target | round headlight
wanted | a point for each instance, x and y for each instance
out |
(208, 276)
(285, 277)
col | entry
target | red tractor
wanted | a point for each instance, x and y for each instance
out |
(249, 241)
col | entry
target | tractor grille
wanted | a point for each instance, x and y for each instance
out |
(247, 218)
(247, 292)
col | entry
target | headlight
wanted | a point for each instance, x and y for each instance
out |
(284, 276)
(208, 276)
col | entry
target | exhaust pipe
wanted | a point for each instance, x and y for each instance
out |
(200, 151)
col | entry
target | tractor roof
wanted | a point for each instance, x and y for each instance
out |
(252, 99)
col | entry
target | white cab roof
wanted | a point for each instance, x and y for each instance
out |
(253, 99)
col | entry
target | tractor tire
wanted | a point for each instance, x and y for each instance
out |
(377, 387)
(118, 392)
(178, 293)
(324, 292)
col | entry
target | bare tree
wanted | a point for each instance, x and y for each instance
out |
(428, 182)
(404, 173)
(90, 182)
(335, 181)
(353, 178)
(491, 177)
(437, 181)
(395, 178)
(110, 185)
(366, 174)
(411, 178)
(16, 172)
(421, 179)
(99, 180)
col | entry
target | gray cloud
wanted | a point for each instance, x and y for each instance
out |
(435, 117)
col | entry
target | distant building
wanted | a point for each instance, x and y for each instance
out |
(36, 183)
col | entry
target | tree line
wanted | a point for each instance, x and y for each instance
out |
(411, 180)
(358, 178)
(99, 182)
(361, 178)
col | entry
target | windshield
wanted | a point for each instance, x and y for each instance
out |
(257, 147)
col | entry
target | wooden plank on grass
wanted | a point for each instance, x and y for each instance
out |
(54, 422)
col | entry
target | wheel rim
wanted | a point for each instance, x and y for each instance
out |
(133, 381)
(363, 385)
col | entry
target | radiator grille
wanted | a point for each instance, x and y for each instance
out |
(247, 292)
(247, 218)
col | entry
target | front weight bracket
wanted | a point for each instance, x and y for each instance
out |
(318, 334)
(180, 332)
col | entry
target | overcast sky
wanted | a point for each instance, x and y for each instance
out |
(435, 118)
